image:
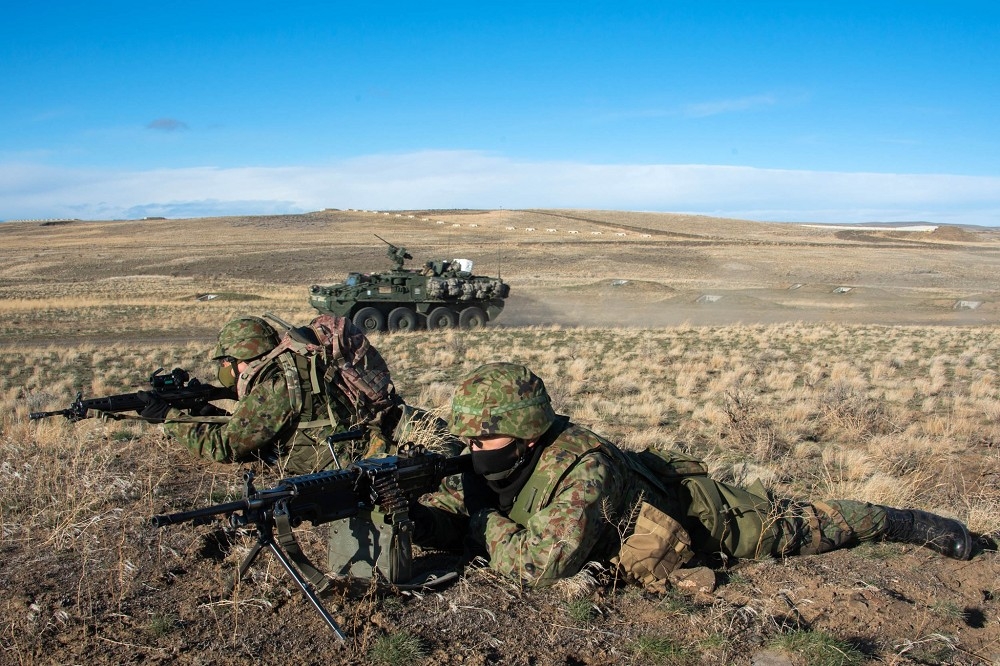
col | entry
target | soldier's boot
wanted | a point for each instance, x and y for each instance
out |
(944, 535)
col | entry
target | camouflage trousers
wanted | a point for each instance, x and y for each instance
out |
(752, 523)
(819, 527)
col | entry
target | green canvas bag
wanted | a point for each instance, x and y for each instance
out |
(735, 519)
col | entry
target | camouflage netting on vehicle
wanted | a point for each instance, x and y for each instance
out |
(464, 289)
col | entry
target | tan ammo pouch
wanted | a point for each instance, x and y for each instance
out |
(657, 546)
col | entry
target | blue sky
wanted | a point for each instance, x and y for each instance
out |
(786, 111)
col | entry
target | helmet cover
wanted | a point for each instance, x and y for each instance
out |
(501, 399)
(245, 338)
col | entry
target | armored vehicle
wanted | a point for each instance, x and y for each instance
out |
(444, 294)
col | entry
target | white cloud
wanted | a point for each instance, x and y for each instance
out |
(460, 179)
(703, 109)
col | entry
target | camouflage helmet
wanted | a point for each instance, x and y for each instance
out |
(245, 338)
(501, 399)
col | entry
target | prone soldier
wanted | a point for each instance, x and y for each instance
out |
(292, 394)
(297, 392)
(547, 496)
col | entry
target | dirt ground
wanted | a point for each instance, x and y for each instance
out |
(132, 594)
(115, 590)
(571, 268)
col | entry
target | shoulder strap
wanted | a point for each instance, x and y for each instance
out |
(662, 467)
(246, 379)
(300, 360)
(541, 485)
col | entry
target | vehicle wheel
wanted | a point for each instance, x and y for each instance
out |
(441, 318)
(473, 317)
(402, 319)
(369, 320)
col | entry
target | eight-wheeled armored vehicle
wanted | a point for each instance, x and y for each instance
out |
(444, 294)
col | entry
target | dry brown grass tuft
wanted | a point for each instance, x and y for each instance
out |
(845, 431)
(906, 415)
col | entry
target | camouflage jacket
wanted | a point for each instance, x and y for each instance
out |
(574, 509)
(264, 424)
(582, 497)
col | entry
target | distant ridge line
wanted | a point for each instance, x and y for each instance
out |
(47, 219)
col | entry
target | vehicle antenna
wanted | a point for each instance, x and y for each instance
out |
(498, 242)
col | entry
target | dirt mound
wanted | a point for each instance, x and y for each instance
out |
(950, 233)
(888, 603)
(622, 289)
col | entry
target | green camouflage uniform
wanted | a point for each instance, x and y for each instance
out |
(268, 422)
(594, 497)
(263, 424)
(583, 493)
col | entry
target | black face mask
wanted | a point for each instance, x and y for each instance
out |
(498, 464)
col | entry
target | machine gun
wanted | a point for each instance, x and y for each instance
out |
(389, 483)
(177, 389)
(398, 255)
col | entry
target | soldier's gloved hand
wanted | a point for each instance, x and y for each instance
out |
(477, 494)
(208, 409)
(155, 409)
(475, 544)
(422, 521)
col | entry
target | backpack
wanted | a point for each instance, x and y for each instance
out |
(735, 521)
(661, 466)
(332, 357)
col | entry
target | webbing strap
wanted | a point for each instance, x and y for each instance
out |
(815, 533)
(835, 515)
(286, 539)
(318, 423)
(816, 525)
(712, 489)
(313, 375)
(538, 489)
(293, 381)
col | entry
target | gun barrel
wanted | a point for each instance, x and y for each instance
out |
(348, 436)
(197, 515)
(34, 416)
(457, 465)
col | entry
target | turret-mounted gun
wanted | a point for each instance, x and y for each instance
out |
(398, 255)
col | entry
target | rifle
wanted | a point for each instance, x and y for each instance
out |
(178, 389)
(388, 483)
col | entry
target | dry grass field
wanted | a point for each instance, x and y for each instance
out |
(885, 391)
